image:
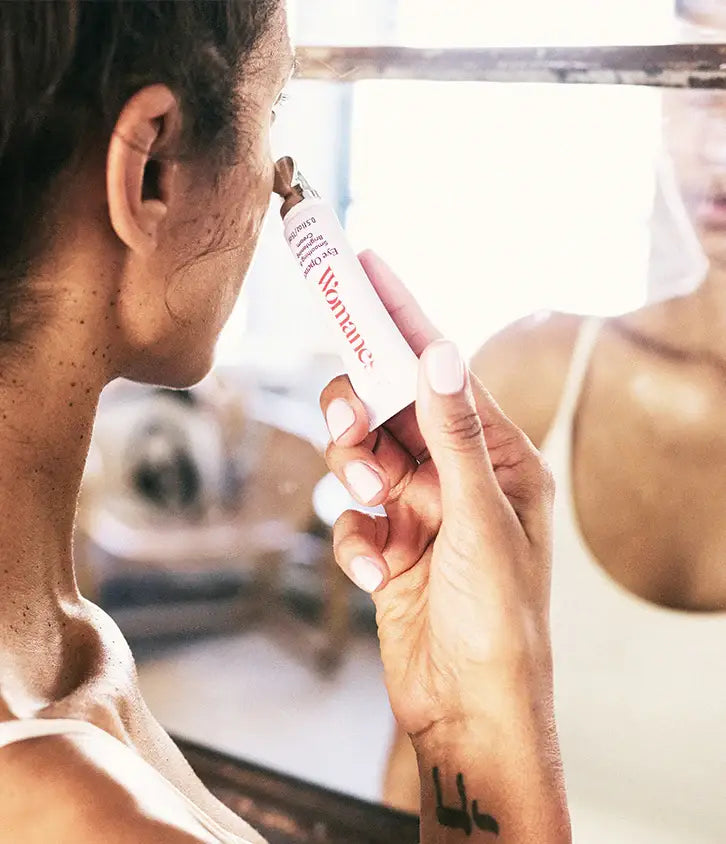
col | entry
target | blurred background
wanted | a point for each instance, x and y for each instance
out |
(204, 523)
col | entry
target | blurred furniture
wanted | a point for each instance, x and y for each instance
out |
(289, 811)
(273, 524)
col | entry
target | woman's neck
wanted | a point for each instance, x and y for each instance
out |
(47, 405)
(705, 328)
(692, 326)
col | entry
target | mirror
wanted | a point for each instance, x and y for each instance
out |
(495, 203)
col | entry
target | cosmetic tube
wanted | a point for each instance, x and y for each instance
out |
(379, 362)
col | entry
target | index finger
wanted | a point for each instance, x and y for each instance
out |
(405, 311)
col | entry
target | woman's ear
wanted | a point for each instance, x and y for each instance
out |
(138, 183)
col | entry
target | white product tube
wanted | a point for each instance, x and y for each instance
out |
(380, 364)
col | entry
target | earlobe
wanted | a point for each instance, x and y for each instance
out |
(139, 194)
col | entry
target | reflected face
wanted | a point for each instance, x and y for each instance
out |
(696, 139)
(213, 231)
(695, 135)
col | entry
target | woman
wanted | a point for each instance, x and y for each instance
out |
(629, 413)
(134, 176)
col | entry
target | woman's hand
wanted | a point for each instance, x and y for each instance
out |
(459, 569)
(460, 565)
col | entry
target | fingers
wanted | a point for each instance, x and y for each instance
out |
(479, 453)
(370, 555)
(373, 473)
(454, 433)
(345, 414)
(523, 475)
(357, 542)
(405, 311)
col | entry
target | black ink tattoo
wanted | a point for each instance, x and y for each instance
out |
(459, 818)
(485, 822)
(452, 818)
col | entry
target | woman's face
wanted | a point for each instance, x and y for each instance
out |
(696, 139)
(695, 136)
(211, 234)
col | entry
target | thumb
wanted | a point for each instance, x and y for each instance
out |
(453, 431)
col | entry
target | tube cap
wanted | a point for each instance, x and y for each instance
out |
(291, 185)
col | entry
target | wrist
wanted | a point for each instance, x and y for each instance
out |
(513, 698)
(509, 764)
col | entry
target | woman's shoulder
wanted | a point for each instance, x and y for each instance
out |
(57, 788)
(525, 367)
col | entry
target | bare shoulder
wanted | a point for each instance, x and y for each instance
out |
(54, 789)
(525, 367)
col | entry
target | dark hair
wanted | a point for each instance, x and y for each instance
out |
(66, 69)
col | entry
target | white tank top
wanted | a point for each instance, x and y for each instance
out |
(20, 730)
(640, 690)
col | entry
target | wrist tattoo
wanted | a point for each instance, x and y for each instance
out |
(460, 817)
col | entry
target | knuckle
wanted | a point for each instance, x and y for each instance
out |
(529, 475)
(504, 438)
(540, 474)
(547, 479)
(540, 481)
(463, 430)
(330, 452)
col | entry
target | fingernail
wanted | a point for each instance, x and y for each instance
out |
(366, 573)
(444, 368)
(340, 417)
(363, 481)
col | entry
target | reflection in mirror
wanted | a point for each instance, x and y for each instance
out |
(628, 410)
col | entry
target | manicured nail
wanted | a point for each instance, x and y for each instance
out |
(364, 483)
(366, 573)
(444, 368)
(340, 417)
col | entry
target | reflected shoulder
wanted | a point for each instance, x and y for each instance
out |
(525, 366)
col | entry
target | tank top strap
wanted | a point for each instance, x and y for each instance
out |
(579, 365)
(30, 728)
